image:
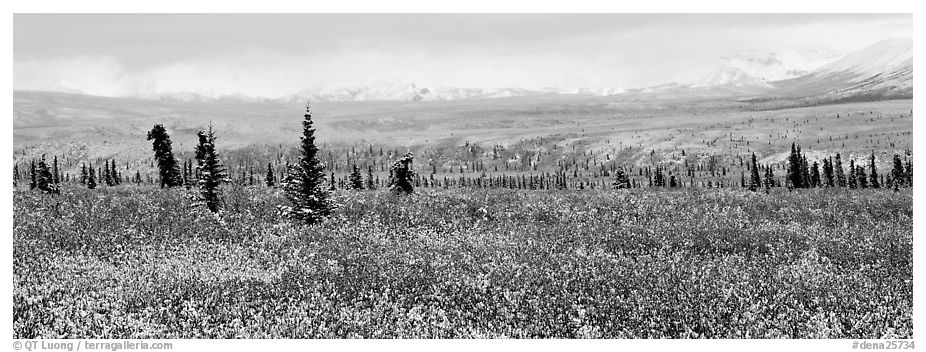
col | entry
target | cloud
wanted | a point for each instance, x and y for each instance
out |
(271, 56)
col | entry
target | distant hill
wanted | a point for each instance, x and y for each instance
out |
(883, 70)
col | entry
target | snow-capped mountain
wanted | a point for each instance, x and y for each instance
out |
(882, 69)
(396, 90)
(760, 68)
(883, 56)
(596, 91)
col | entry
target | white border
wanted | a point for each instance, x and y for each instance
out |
(476, 6)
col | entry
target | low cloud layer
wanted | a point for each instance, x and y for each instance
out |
(274, 55)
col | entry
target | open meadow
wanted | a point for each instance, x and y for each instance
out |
(142, 262)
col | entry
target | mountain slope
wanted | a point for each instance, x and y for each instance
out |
(883, 70)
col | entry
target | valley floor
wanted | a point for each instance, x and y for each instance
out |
(140, 262)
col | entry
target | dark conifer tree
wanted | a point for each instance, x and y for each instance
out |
(32, 175)
(304, 182)
(355, 180)
(621, 180)
(805, 172)
(268, 179)
(371, 184)
(91, 177)
(754, 181)
(794, 167)
(658, 178)
(167, 164)
(15, 175)
(908, 173)
(828, 179)
(401, 175)
(873, 181)
(117, 179)
(840, 173)
(897, 173)
(769, 180)
(83, 174)
(211, 172)
(44, 180)
(860, 177)
(815, 175)
(56, 176)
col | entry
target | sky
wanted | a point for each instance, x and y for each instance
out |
(271, 55)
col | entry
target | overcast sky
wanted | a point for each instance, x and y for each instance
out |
(272, 55)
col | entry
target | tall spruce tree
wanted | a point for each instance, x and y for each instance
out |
(371, 184)
(840, 173)
(83, 174)
(401, 175)
(873, 181)
(211, 172)
(44, 180)
(754, 181)
(56, 175)
(815, 175)
(268, 179)
(355, 180)
(304, 182)
(908, 172)
(167, 164)
(897, 172)
(828, 179)
(794, 167)
(91, 177)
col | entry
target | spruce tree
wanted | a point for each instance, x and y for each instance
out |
(860, 177)
(44, 180)
(91, 177)
(828, 179)
(754, 181)
(769, 181)
(355, 179)
(268, 179)
(805, 172)
(83, 174)
(897, 173)
(815, 175)
(908, 173)
(873, 181)
(167, 164)
(304, 181)
(212, 173)
(794, 167)
(840, 173)
(401, 175)
(371, 184)
(117, 179)
(56, 176)
(621, 180)
(32, 175)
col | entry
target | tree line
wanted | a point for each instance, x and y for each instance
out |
(306, 183)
